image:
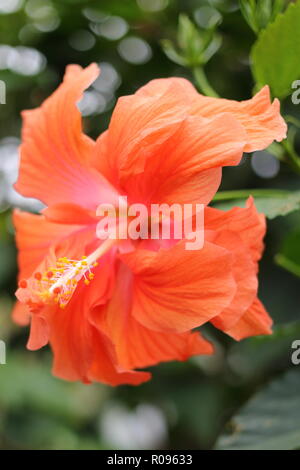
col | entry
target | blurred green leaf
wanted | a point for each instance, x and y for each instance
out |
(258, 13)
(272, 203)
(195, 46)
(7, 267)
(207, 17)
(248, 9)
(188, 36)
(204, 418)
(172, 53)
(255, 357)
(270, 420)
(212, 47)
(280, 43)
(226, 6)
(289, 255)
(27, 382)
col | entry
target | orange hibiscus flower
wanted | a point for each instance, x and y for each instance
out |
(109, 307)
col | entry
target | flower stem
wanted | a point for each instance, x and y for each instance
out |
(202, 82)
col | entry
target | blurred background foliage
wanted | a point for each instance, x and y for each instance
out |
(186, 405)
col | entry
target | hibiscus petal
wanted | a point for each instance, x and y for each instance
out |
(34, 236)
(55, 153)
(81, 352)
(244, 270)
(105, 368)
(153, 145)
(71, 341)
(260, 118)
(177, 289)
(184, 91)
(247, 222)
(187, 168)
(137, 346)
(255, 321)
(68, 330)
(39, 333)
(139, 126)
(20, 314)
(160, 182)
(67, 213)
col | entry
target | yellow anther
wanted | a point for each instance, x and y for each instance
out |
(59, 282)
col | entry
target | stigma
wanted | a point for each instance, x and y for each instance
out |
(58, 283)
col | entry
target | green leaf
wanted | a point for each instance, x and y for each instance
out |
(280, 44)
(278, 6)
(190, 41)
(270, 420)
(254, 358)
(264, 12)
(248, 8)
(272, 203)
(207, 17)
(212, 47)
(26, 382)
(195, 46)
(172, 53)
(258, 13)
(289, 255)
